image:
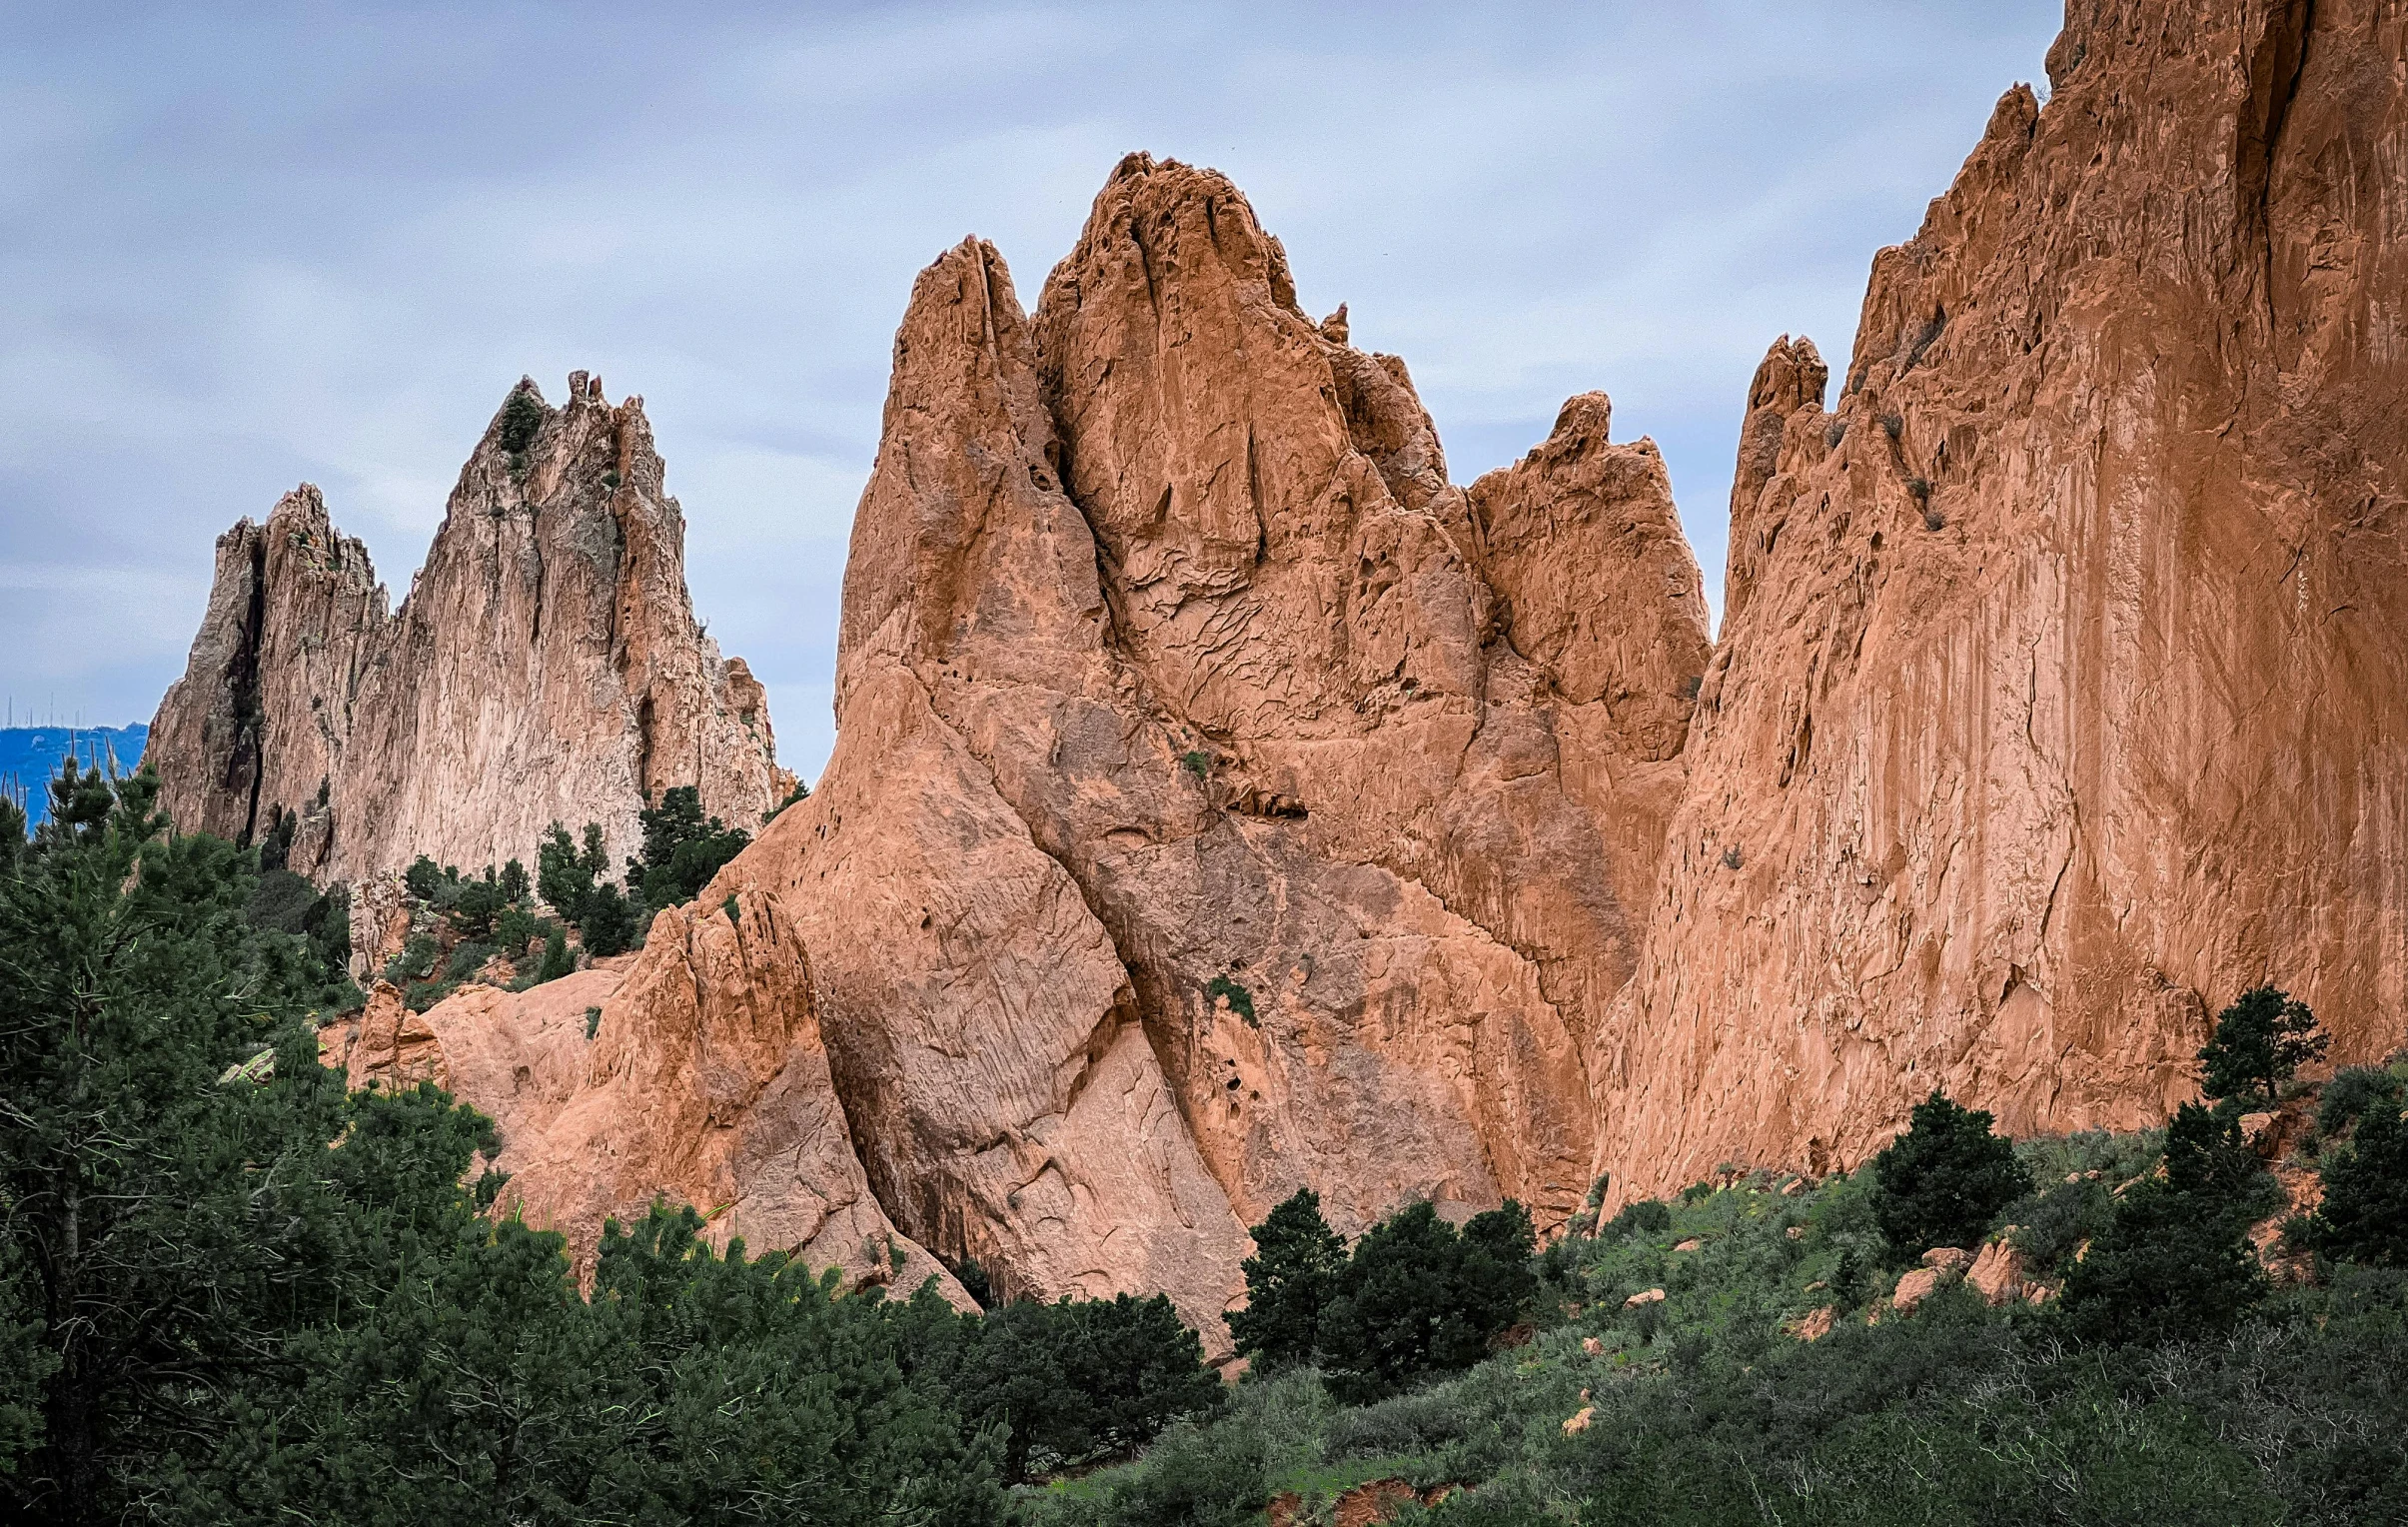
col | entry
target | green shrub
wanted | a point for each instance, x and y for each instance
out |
(475, 903)
(1241, 1001)
(467, 960)
(1418, 1298)
(416, 961)
(609, 927)
(2350, 1093)
(515, 928)
(1078, 1380)
(2171, 1264)
(521, 421)
(514, 888)
(424, 879)
(2260, 1042)
(1944, 1180)
(1647, 1216)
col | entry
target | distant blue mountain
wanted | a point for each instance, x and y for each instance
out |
(30, 758)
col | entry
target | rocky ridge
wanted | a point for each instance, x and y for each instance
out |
(1225, 801)
(546, 667)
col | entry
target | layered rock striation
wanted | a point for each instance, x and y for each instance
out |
(1224, 802)
(2063, 686)
(546, 667)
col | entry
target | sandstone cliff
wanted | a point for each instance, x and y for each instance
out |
(545, 665)
(1223, 800)
(2060, 695)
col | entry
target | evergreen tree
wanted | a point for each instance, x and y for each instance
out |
(2173, 1263)
(1293, 1273)
(557, 962)
(1417, 1298)
(2204, 1156)
(681, 850)
(2364, 1216)
(424, 879)
(2260, 1042)
(565, 876)
(169, 1216)
(610, 926)
(1944, 1180)
(1080, 1380)
(513, 883)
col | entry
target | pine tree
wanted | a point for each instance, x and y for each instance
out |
(2260, 1042)
(1944, 1180)
(2364, 1216)
(1291, 1276)
(557, 962)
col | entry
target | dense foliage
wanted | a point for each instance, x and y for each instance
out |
(466, 922)
(2177, 1387)
(1414, 1297)
(232, 1292)
(683, 849)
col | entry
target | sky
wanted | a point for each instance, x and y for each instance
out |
(243, 247)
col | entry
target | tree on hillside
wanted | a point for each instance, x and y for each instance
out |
(169, 1213)
(1292, 1276)
(1418, 1298)
(1944, 1180)
(2173, 1263)
(2260, 1042)
(1078, 1380)
(2364, 1215)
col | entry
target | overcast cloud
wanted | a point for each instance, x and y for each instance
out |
(241, 248)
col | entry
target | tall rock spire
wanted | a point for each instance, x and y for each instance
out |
(546, 667)
(1197, 829)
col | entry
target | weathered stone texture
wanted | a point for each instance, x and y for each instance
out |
(547, 665)
(2060, 696)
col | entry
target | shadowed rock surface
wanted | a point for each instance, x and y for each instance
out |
(546, 667)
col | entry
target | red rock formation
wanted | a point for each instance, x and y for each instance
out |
(1222, 801)
(2060, 695)
(547, 665)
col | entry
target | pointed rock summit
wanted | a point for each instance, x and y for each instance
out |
(1224, 802)
(546, 667)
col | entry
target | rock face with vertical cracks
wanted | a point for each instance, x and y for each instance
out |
(546, 667)
(2063, 687)
(1223, 800)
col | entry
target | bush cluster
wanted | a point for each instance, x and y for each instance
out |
(479, 916)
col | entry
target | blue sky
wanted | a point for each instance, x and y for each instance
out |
(242, 247)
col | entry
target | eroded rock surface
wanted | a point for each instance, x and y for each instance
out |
(546, 667)
(1224, 802)
(2060, 696)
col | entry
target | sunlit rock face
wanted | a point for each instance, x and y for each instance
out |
(2060, 691)
(1223, 800)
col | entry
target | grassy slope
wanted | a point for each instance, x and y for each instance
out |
(1707, 1411)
